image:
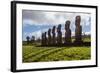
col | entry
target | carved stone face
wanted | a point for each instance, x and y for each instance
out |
(67, 22)
(78, 20)
(67, 25)
(78, 17)
(53, 28)
(49, 30)
(59, 28)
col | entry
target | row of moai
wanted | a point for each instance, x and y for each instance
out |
(53, 40)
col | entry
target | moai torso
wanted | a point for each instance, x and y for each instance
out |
(67, 32)
(45, 39)
(49, 37)
(59, 35)
(53, 35)
(78, 29)
(42, 38)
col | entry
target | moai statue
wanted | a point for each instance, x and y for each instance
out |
(53, 35)
(42, 39)
(49, 37)
(28, 39)
(59, 35)
(67, 32)
(45, 38)
(78, 30)
(32, 39)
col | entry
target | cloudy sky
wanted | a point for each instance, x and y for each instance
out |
(36, 22)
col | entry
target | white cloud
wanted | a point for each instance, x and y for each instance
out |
(28, 22)
(40, 17)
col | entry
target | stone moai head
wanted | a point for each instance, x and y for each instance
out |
(59, 28)
(78, 20)
(45, 33)
(49, 31)
(53, 29)
(67, 25)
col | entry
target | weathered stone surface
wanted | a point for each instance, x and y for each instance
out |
(53, 35)
(44, 39)
(78, 29)
(59, 35)
(67, 32)
(49, 37)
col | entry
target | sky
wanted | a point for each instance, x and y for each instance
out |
(36, 22)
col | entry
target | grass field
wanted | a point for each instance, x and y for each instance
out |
(31, 53)
(45, 54)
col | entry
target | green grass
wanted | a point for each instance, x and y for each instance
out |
(86, 39)
(45, 54)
